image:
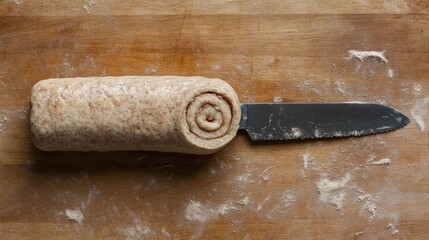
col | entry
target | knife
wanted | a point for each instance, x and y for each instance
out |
(279, 121)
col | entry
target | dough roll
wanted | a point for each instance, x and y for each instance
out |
(194, 115)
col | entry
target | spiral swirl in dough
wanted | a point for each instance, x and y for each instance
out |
(209, 116)
(212, 115)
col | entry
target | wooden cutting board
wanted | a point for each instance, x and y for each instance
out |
(283, 51)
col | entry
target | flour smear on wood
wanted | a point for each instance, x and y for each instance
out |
(376, 55)
(333, 192)
(74, 216)
(198, 212)
(420, 113)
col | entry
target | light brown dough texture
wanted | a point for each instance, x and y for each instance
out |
(194, 115)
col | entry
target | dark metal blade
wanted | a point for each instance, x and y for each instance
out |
(318, 120)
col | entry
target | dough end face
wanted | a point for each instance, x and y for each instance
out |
(212, 116)
(193, 115)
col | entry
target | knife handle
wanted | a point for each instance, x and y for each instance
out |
(194, 115)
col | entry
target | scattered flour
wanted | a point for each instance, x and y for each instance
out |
(383, 161)
(23, 113)
(362, 55)
(358, 233)
(420, 113)
(296, 132)
(264, 175)
(246, 177)
(165, 233)
(378, 55)
(289, 198)
(74, 216)
(307, 160)
(149, 70)
(216, 67)
(278, 99)
(418, 89)
(244, 201)
(333, 192)
(196, 211)
(3, 121)
(260, 205)
(136, 232)
(304, 86)
(393, 229)
(66, 67)
(338, 134)
(356, 133)
(310, 86)
(341, 87)
(370, 204)
(226, 207)
(88, 6)
(224, 166)
(371, 207)
(9, 114)
(317, 133)
(390, 73)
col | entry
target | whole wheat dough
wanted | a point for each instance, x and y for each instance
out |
(153, 113)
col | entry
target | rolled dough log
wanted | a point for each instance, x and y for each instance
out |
(153, 113)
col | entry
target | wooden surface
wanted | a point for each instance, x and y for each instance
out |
(293, 50)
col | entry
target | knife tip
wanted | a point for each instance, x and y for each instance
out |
(402, 119)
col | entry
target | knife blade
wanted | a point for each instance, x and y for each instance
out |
(279, 121)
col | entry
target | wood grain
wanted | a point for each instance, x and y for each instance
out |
(295, 50)
(174, 7)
